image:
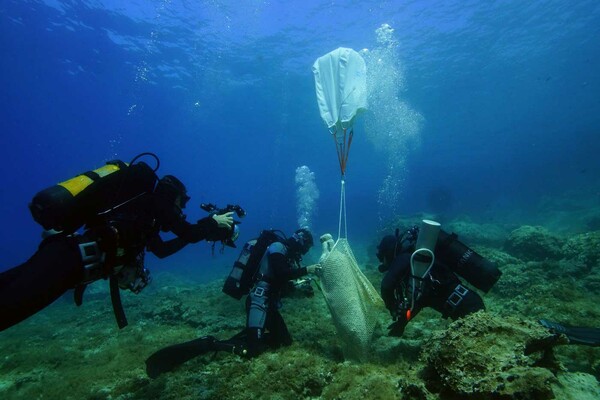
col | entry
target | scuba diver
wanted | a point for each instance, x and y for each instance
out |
(122, 209)
(422, 270)
(263, 269)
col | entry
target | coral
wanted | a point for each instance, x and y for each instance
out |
(354, 382)
(472, 233)
(576, 386)
(533, 243)
(584, 248)
(483, 356)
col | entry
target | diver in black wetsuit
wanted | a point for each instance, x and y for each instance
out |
(282, 264)
(112, 247)
(265, 327)
(441, 290)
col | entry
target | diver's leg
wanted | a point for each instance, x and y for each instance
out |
(258, 307)
(279, 335)
(236, 344)
(33, 285)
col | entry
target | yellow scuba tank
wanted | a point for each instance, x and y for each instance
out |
(77, 184)
(69, 205)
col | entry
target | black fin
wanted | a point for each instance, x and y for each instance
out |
(577, 335)
(168, 358)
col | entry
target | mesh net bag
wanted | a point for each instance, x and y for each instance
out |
(353, 302)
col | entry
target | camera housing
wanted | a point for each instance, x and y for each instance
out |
(213, 209)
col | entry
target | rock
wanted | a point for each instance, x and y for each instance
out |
(576, 386)
(483, 356)
(471, 233)
(534, 243)
(584, 248)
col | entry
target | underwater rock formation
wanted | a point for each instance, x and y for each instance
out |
(534, 243)
(477, 234)
(68, 352)
(584, 248)
(485, 357)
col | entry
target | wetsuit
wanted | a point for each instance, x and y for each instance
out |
(109, 243)
(265, 327)
(263, 302)
(442, 290)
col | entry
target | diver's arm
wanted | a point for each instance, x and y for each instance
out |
(397, 272)
(205, 229)
(170, 218)
(282, 270)
(400, 271)
(280, 266)
(162, 249)
(296, 273)
(28, 288)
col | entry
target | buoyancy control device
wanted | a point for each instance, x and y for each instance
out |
(69, 205)
(245, 269)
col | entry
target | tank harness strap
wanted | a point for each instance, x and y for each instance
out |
(92, 175)
(456, 297)
(118, 163)
(93, 260)
(78, 294)
(115, 298)
(261, 289)
(94, 268)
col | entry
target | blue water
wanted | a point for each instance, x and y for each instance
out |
(504, 95)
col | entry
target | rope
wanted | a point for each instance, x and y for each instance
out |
(338, 149)
(342, 146)
(343, 211)
(343, 149)
(350, 136)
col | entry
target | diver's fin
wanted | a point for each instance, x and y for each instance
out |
(168, 358)
(577, 335)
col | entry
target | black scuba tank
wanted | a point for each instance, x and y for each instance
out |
(245, 268)
(476, 270)
(69, 205)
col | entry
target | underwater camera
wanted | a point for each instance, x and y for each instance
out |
(213, 209)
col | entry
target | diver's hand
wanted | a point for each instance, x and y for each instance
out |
(400, 317)
(396, 328)
(314, 269)
(224, 220)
